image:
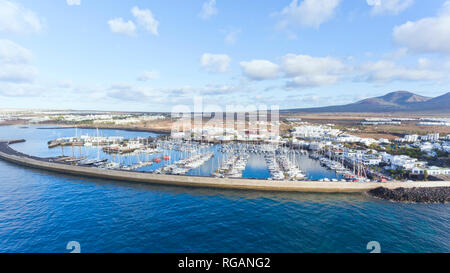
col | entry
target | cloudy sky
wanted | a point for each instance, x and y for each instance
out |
(151, 55)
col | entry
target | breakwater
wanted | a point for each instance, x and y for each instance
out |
(417, 195)
(11, 155)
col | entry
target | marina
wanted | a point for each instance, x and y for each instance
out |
(162, 155)
(192, 163)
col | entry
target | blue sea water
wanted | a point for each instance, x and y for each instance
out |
(42, 211)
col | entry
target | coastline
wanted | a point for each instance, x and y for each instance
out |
(413, 195)
(10, 155)
(53, 126)
(129, 129)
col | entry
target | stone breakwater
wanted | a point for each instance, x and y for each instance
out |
(417, 195)
(49, 164)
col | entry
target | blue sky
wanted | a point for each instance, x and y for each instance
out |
(152, 55)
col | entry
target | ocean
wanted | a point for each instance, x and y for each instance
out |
(42, 211)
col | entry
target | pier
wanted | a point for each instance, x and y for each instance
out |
(50, 164)
(14, 141)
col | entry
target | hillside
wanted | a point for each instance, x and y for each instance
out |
(400, 101)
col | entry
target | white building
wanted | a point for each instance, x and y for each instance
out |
(400, 161)
(408, 138)
(371, 160)
(348, 139)
(433, 170)
(411, 138)
(434, 123)
(430, 137)
(446, 148)
(315, 132)
(426, 147)
(367, 141)
(225, 138)
(178, 135)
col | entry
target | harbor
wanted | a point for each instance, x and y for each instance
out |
(163, 155)
(192, 164)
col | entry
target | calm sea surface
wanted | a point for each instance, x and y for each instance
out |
(42, 211)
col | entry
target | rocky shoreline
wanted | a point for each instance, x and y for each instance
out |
(417, 195)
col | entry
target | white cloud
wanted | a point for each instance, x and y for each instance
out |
(66, 84)
(447, 65)
(260, 69)
(307, 71)
(397, 54)
(231, 36)
(15, 63)
(312, 81)
(309, 13)
(148, 75)
(208, 9)
(73, 2)
(389, 6)
(430, 34)
(312, 71)
(423, 63)
(17, 73)
(123, 92)
(215, 63)
(14, 18)
(297, 65)
(129, 92)
(11, 89)
(118, 25)
(11, 52)
(218, 89)
(146, 19)
(387, 71)
(300, 70)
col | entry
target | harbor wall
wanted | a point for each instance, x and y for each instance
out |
(212, 182)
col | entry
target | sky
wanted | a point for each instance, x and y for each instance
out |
(153, 55)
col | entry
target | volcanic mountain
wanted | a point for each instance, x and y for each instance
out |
(400, 101)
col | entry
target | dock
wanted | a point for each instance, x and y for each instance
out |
(14, 141)
(49, 164)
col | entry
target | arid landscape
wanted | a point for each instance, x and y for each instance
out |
(349, 120)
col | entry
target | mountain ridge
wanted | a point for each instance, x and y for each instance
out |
(398, 101)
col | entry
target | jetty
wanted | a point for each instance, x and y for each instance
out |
(51, 164)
